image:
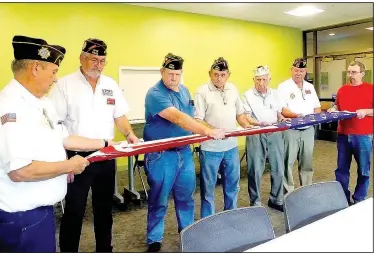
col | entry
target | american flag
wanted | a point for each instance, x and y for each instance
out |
(10, 117)
(125, 150)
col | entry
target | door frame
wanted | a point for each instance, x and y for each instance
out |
(349, 56)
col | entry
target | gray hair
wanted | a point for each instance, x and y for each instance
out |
(85, 54)
(19, 66)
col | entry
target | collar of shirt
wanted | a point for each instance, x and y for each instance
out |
(161, 85)
(304, 84)
(29, 97)
(212, 87)
(264, 96)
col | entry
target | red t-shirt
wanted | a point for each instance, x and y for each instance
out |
(352, 98)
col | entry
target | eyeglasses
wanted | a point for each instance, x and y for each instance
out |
(303, 93)
(47, 118)
(223, 95)
(265, 101)
(353, 72)
(97, 61)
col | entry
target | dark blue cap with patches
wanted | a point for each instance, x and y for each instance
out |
(220, 64)
(95, 47)
(173, 62)
(299, 63)
(37, 49)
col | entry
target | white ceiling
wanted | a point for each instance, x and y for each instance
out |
(273, 13)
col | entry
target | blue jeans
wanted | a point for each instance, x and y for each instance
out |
(169, 172)
(360, 146)
(228, 164)
(29, 231)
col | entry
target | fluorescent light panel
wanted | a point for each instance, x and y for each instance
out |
(304, 11)
(331, 34)
(369, 28)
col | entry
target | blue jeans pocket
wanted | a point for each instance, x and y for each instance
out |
(150, 158)
(39, 217)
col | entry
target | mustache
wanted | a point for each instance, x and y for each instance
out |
(350, 79)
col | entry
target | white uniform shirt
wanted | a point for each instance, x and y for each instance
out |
(299, 101)
(219, 109)
(264, 108)
(25, 136)
(87, 113)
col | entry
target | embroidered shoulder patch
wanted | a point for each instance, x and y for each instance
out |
(8, 118)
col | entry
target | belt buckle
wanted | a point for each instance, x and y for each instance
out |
(175, 149)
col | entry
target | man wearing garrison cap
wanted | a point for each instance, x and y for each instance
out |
(89, 104)
(169, 112)
(218, 105)
(298, 98)
(33, 165)
(261, 103)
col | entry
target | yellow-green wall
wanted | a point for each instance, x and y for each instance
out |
(139, 36)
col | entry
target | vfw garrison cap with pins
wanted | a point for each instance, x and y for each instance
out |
(299, 63)
(37, 49)
(220, 64)
(173, 62)
(95, 47)
(261, 70)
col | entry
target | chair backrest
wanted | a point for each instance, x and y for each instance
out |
(312, 202)
(229, 231)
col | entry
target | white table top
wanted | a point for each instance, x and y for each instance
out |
(349, 230)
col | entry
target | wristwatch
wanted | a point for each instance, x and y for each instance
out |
(128, 133)
(106, 143)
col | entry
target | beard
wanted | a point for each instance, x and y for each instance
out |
(93, 73)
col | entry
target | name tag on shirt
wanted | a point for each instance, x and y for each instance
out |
(111, 101)
(107, 92)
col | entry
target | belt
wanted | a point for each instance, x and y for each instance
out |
(179, 148)
(83, 154)
(303, 128)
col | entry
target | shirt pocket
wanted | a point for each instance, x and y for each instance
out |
(106, 109)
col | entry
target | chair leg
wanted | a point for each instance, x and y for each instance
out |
(243, 156)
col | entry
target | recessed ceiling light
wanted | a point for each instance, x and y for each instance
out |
(332, 34)
(369, 28)
(304, 11)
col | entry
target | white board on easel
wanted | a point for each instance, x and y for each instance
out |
(135, 83)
